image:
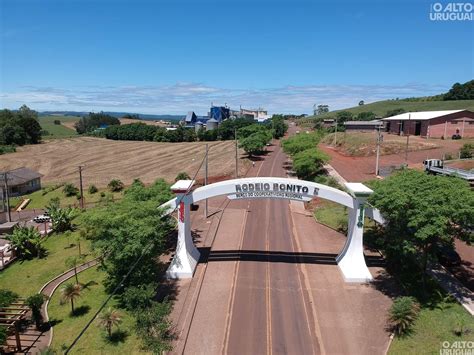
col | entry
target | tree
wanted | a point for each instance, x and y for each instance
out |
(182, 176)
(365, 116)
(61, 218)
(308, 163)
(27, 241)
(344, 116)
(70, 190)
(253, 144)
(461, 91)
(153, 327)
(397, 111)
(72, 262)
(402, 314)
(115, 185)
(300, 142)
(35, 302)
(423, 213)
(108, 319)
(19, 127)
(467, 151)
(361, 103)
(95, 120)
(321, 109)
(278, 126)
(69, 293)
(129, 229)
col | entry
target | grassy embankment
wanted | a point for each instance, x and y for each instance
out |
(41, 200)
(63, 130)
(364, 143)
(380, 108)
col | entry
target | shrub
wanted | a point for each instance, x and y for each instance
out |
(7, 149)
(309, 163)
(102, 194)
(93, 189)
(70, 190)
(403, 314)
(57, 122)
(115, 185)
(467, 151)
(35, 303)
(27, 241)
(3, 334)
(182, 176)
(7, 297)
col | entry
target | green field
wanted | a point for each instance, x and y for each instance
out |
(38, 200)
(94, 340)
(434, 326)
(57, 131)
(380, 108)
(27, 277)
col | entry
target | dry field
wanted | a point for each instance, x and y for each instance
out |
(104, 160)
(363, 144)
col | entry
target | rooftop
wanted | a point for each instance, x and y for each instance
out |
(421, 116)
(21, 175)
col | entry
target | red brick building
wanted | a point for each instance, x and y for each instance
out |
(432, 124)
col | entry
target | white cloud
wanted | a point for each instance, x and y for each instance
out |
(182, 97)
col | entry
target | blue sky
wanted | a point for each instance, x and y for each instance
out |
(175, 56)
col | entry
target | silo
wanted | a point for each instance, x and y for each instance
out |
(211, 124)
(198, 126)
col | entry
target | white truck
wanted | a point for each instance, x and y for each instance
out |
(436, 166)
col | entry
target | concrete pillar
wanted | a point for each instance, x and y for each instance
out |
(187, 256)
(351, 260)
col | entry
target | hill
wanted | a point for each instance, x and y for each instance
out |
(380, 108)
(142, 116)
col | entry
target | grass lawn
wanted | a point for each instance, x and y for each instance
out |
(58, 131)
(38, 200)
(380, 108)
(94, 340)
(331, 214)
(27, 277)
(432, 327)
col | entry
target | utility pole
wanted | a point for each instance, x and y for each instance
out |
(379, 140)
(7, 195)
(408, 139)
(80, 185)
(205, 178)
(236, 155)
(335, 133)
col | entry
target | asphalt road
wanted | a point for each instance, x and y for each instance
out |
(270, 311)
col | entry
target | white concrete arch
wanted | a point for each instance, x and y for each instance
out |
(351, 260)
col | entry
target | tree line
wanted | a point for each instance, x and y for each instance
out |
(19, 127)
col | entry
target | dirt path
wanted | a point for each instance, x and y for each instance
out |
(359, 169)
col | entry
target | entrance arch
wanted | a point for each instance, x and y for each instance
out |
(350, 260)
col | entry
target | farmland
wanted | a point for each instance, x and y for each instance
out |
(104, 160)
(64, 130)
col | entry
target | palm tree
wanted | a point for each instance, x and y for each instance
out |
(108, 319)
(403, 314)
(70, 292)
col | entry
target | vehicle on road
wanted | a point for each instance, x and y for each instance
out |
(42, 218)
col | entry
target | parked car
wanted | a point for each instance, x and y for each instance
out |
(42, 218)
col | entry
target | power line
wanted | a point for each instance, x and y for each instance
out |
(84, 329)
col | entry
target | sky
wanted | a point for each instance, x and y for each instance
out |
(170, 57)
